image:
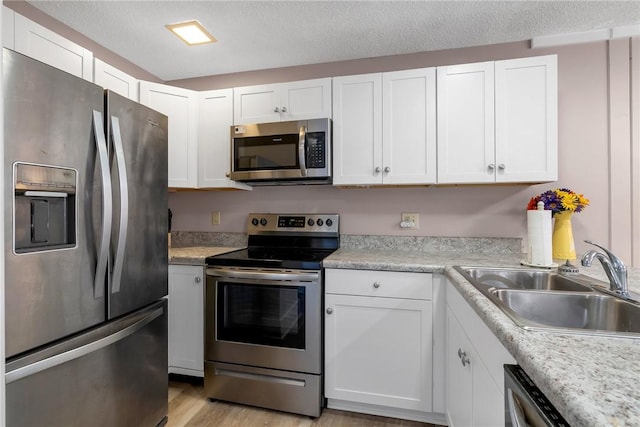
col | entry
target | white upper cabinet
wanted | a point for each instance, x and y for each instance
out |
(301, 100)
(215, 118)
(384, 128)
(527, 119)
(357, 129)
(181, 107)
(409, 127)
(465, 123)
(497, 121)
(113, 79)
(40, 43)
(8, 18)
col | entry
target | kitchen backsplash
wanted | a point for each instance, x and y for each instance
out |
(487, 245)
(181, 239)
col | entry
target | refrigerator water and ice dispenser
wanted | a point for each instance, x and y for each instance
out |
(44, 208)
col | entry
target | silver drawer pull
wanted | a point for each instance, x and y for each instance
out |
(329, 310)
(376, 285)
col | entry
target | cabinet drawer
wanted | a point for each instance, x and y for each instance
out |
(387, 284)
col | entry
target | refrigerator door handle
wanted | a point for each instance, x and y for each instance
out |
(107, 208)
(124, 205)
(77, 352)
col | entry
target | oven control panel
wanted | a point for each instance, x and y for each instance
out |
(304, 223)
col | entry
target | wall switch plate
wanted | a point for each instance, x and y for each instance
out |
(410, 220)
(215, 218)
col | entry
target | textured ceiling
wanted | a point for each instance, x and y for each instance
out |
(255, 35)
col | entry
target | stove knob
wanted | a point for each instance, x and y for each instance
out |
(319, 222)
(310, 222)
(255, 222)
(263, 221)
(329, 222)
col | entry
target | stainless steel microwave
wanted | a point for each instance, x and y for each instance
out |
(294, 152)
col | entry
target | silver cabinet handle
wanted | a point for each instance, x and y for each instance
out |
(387, 169)
(463, 357)
(228, 174)
(377, 169)
(501, 166)
(198, 280)
(283, 109)
(376, 285)
(329, 310)
(276, 110)
(491, 166)
(124, 205)
(107, 206)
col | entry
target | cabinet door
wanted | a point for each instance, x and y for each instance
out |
(256, 104)
(466, 123)
(215, 118)
(113, 79)
(40, 43)
(180, 106)
(527, 119)
(409, 131)
(459, 376)
(307, 99)
(8, 28)
(357, 130)
(186, 320)
(378, 351)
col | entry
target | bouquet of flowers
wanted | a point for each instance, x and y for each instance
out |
(559, 200)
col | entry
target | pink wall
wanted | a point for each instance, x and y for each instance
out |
(474, 211)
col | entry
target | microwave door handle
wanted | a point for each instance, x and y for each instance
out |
(301, 150)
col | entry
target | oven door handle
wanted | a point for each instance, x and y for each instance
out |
(264, 275)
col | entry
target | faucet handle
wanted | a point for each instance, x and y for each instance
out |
(617, 262)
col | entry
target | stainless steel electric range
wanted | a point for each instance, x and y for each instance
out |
(263, 304)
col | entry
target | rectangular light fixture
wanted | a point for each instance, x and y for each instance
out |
(191, 32)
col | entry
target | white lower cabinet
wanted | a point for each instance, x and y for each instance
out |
(186, 320)
(378, 342)
(474, 367)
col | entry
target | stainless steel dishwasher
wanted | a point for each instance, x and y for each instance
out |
(524, 404)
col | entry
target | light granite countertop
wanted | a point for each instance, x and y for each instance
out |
(592, 380)
(196, 255)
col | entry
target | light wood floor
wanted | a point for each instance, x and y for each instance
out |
(189, 407)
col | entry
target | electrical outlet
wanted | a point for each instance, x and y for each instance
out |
(215, 218)
(410, 220)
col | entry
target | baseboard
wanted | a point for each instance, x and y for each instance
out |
(187, 372)
(383, 411)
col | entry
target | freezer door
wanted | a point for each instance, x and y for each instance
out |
(138, 263)
(114, 375)
(51, 292)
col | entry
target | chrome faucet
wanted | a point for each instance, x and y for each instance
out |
(613, 266)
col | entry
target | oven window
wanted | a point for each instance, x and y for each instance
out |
(261, 314)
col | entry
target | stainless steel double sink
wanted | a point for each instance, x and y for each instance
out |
(550, 301)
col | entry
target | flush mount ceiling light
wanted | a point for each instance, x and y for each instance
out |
(191, 32)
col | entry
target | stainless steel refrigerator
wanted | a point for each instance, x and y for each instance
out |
(85, 252)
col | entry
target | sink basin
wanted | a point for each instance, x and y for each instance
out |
(512, 278)
(547, 300)
(572, 310)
